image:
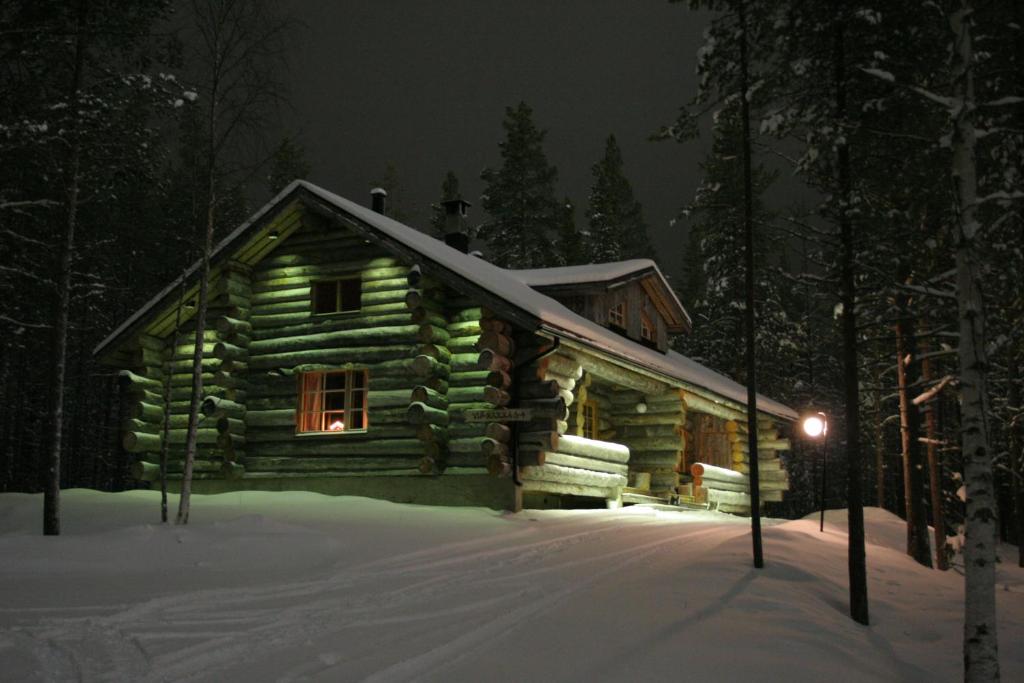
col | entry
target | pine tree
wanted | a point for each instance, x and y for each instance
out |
(520, 197)
(390, 183)
(570, 243)
(449, 191)
(288, 163)
(616, 225)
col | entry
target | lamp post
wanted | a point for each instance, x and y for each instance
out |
(816, 427)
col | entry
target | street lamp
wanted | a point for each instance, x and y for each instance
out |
(816, 427)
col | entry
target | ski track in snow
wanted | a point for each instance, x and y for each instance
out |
(201, 634)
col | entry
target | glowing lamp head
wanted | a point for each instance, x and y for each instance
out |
(336, 426)
(641, 407)
(815, 425)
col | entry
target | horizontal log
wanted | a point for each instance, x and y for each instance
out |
(490, 360)
(497, 342)
(699, 404)
(496, 397)
(601, 450)
(140, 442)
(230, 424)
(331, 356)
(270, 418)
(573, 489)
(472, 378)
(227, 325)
(421, 413)
(539, 389)
(223, 351)
(567, 460)
(617, 374)
(339, 445)
(390, 334)
(230, 442)
(437, 352)
(425, 366)
(544, 441)
(499, 379)
(431, 334)
(547, 407)
(146, 412)
(129, 378)
(572, 475)
(490, 447)
(559, 364)
(430, 432)
(712, 472)
(429, 397)
(774, 445)
(214, 406)
(351, 464)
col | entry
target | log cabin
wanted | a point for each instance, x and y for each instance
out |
(349, 354)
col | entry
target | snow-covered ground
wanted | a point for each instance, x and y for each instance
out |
(296, 586)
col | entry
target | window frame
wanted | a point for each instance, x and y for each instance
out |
(592, 420)
(652, 330)
(618, 312)
(349, 391)
(338, 298)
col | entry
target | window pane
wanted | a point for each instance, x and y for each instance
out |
(355, 419)
(351, 294)
(334, 401)
(359, 379)
(325, 297)
(335, 381)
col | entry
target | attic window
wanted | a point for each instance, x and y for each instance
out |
(617, 316)
(332, 402)
(337, 296)
(646, 328)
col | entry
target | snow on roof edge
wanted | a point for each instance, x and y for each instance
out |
(504, 284)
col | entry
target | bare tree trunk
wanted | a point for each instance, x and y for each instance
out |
(856, 555)
(981, 643)
(934, 471)
(907, 362)
(51, 488)
(184, 502)
(165, 444)
(1016, 454)
(879, 445)
(748, 314)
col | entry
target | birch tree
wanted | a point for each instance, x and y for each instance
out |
(239, 49)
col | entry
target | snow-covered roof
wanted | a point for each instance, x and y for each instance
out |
(591, 272)
(553, 317)
(609, 275)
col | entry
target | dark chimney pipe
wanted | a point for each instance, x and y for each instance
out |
(455, 235)
(379, 200)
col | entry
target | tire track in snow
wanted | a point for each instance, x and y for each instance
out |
(274, 617)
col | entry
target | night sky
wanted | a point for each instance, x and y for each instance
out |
(424, 86)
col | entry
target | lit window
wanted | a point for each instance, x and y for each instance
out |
(337, 296)
(617, 316)
(333, 401)
(646, 328)
(590, 420)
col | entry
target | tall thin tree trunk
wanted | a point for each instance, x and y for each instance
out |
(981, 643)
(184, 502)
(934, 470)
(907, 364)
(51, 488)
(165, 444)
(856, 555)
(1017, 455)
(748, 317)
(879, 444)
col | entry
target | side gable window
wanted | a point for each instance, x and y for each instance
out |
(337, 296)
(332, 401)
(617, 316)
(589, 430)
(647, 329)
